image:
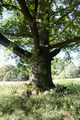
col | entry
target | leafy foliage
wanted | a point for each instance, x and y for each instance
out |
(63, 21)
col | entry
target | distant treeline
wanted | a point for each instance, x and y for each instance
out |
(62, 69)
(7, 73)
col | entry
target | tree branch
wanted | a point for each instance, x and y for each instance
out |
(35, 11)
(16, 50)
(65, 14)
(32, 25)
(69, 56)
(8, 5)
(25, 11)
(17, 35)
(63, 30)
(50, 1)
(62, 17)
(54, 53)
(65, 43)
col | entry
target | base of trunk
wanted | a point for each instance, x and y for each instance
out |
(41, 75)
(41, 84)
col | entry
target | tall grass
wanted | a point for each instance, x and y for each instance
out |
(64, 104)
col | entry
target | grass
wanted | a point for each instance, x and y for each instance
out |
(64, 104)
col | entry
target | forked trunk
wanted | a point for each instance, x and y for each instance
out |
(41, 72)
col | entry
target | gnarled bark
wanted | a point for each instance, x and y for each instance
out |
(41, 72)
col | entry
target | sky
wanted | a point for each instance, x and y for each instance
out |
(3, 60)
(73, 55)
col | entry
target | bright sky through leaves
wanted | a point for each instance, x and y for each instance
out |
(3, 60)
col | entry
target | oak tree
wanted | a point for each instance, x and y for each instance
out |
(38, 30)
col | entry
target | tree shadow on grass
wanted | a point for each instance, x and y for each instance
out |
(67, 89)
(11, 103)
(8, 104)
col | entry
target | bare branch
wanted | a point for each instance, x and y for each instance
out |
(63, 30)
(16, 50)
(65, 43)
(69, 56)
(68, 53)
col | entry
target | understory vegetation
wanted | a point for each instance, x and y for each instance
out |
(64, 104)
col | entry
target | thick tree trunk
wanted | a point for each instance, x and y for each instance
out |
(41, 72)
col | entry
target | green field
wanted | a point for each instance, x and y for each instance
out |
(64, 104)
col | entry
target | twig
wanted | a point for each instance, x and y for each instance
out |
(69, 56)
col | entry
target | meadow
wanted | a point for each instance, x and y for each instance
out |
(64, 104)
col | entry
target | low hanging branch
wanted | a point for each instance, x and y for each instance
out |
(16, 50)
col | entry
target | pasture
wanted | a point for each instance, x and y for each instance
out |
(64, 104)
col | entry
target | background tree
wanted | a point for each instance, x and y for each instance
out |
(62, 69)
(4, 70)
(10, 76)
(16, 76)
(69, 72)
(23, 76)
(8, 73)
(58, 65)
(37, 30)
(78, 70)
